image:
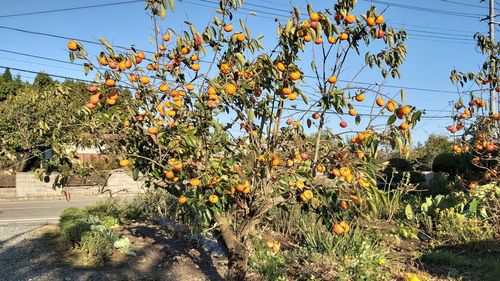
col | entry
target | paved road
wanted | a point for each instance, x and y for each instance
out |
(38, 212)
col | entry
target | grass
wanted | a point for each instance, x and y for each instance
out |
(465, 261)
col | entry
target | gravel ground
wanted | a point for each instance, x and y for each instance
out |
(33, 252)
(13, 233)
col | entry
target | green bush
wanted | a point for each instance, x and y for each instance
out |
(72, 231)
(400, 164)
(72, 214)
(110, 221)
(151, 203)
(456, 228)
(447, 162)
(96, 246)
(107, 207)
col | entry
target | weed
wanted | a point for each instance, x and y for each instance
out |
(96, 246)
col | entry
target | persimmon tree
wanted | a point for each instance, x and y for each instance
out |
(475, 127)
(209, 121)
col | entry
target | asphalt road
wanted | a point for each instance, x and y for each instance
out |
(37, 212)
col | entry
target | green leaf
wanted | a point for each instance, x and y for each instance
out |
(135, 173)
(403, 94)
(391, 119)
(408, 212)
(105, 43)
(162, 12)
(473, 206)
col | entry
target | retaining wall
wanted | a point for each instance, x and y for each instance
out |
(29, 186)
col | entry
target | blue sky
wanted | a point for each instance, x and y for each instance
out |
(440, 39)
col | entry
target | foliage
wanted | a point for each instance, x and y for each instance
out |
(359, 251)
(434, 145)
(385, 204)
(270, 266)
(458, 217)
(124, 245)
(33, 133)
(90, 231)
(108, 207)
(43, 81)
(150, 204)
(96, 246)
(9, 85)
(453, 227)
(448, 163)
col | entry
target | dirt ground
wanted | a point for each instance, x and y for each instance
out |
(39, 255)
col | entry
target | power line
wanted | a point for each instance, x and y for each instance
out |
(464, 4)
(428, 10)
(52, 75)
(427, 31)
(292, 109)
(72, 63)
(98, 44)
(71, 9)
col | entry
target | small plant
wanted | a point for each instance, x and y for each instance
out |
(97, 247)
(151, 203)
(270, 264)
(456, 228)
(72, 214)
(110, 222)
(73, 231)
(123, 245)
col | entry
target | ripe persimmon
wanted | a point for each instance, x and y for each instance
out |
(332, 79)
(230, 89)
(350, 19)
(182, 199)
(72, 45)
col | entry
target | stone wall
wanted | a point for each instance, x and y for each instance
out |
(29, 186)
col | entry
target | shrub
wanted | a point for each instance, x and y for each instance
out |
(439, 184)
(400, 164)
(359, 251)
(109, 221)
(151, 203)
(96, 246)
(456, 228)
(107, 207)
(270, 265)
(72, 214)
(446, 162)
(73, 231)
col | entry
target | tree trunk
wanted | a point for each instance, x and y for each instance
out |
(238, 253)
(22, 162)
(237, 263)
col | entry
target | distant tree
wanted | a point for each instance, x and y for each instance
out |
(434, 146)
(8, 85)
(7, 76)
(42, 81)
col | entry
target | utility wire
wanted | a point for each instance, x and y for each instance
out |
(121, 47)
(423, 9)
(71, 9)
(463, 4)
(72, 63)
(88, 81)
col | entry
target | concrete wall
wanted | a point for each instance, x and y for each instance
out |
(29, 186)
(7, 193)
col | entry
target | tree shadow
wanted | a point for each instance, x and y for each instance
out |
(470, 262)
(45, 258)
